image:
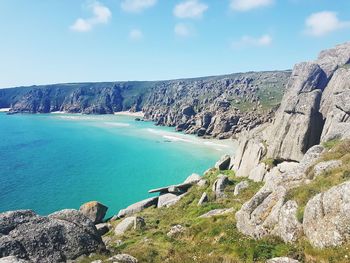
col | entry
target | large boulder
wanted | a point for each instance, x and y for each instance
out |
(335, 106)
(326, 217)
(333, 58)
(298, 123)
(219, 186)
(250, 152)
(288, 226)
(167, 200)
(138, 207)
(12, 259)
(132, 222)
(223, 163)
(61, 236)
(94, 210)
(260, 215)
(258, 173)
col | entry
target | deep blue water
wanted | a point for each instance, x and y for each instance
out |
(50, 162)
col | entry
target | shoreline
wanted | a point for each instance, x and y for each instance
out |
(5, 109)
(139, 114)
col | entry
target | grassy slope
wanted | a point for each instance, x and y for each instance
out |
(217, 239)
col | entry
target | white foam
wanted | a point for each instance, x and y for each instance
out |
(117, 124)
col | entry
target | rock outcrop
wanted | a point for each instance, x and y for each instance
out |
(138, 207)
(335, 106)
(317, 94)
(61, 236)
(326, 217)
(314, 109)
(132, 222)
(267, 212)
(94, 210)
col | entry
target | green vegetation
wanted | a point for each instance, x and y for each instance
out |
(346, 66)
(337, 150)
(217, 239)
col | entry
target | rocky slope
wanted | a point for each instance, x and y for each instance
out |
(211, 106)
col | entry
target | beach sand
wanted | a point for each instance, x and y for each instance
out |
(139, 114)
(58, 112)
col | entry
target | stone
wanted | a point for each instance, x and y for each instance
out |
(331, 59)
(260, 215)
(97, 261)
(240, 187)
(203, 199)
(288, 227)
(128, 223)
(167, 200)
(202, 183)
(12, 259)
(94, 210)
(250, 152)
(63, 235)
(122, 258)
(298, 123)
(335, 107)
(327, 166)
(326, 217)
(219, 186)
(223, 163)
(103, 228)
(257, 174)
(171, 188)
(282, 260)
(138, 207)
(193, 179)
(217, 212)
(176, 230)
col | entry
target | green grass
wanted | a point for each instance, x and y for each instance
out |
(337, 150)
(217, 239)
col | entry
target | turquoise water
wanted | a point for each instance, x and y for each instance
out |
(54, 161)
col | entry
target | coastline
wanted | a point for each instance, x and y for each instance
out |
(5, 109)
(139, 114)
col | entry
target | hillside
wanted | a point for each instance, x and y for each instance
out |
(210, 106)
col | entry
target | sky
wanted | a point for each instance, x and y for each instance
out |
(60, 41)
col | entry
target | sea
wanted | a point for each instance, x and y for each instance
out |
(50, 162)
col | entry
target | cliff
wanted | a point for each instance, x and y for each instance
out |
(212, 106)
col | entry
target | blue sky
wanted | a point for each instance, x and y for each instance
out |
(53, 41)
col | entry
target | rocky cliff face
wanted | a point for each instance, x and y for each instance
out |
(318, 92)
(283, 155)
(211, 106)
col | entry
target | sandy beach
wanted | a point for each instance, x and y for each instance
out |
(139, 114)
(58, 112)
(5, 109)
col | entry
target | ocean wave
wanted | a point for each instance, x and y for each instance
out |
(117, 124)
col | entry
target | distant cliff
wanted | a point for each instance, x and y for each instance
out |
(217, 106)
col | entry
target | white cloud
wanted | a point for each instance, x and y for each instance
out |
(183, 30)
(246, 5)
(245, 41)
(101, 15)
(135, 34)
(322, 23)
(190, 9)
(136, 6)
